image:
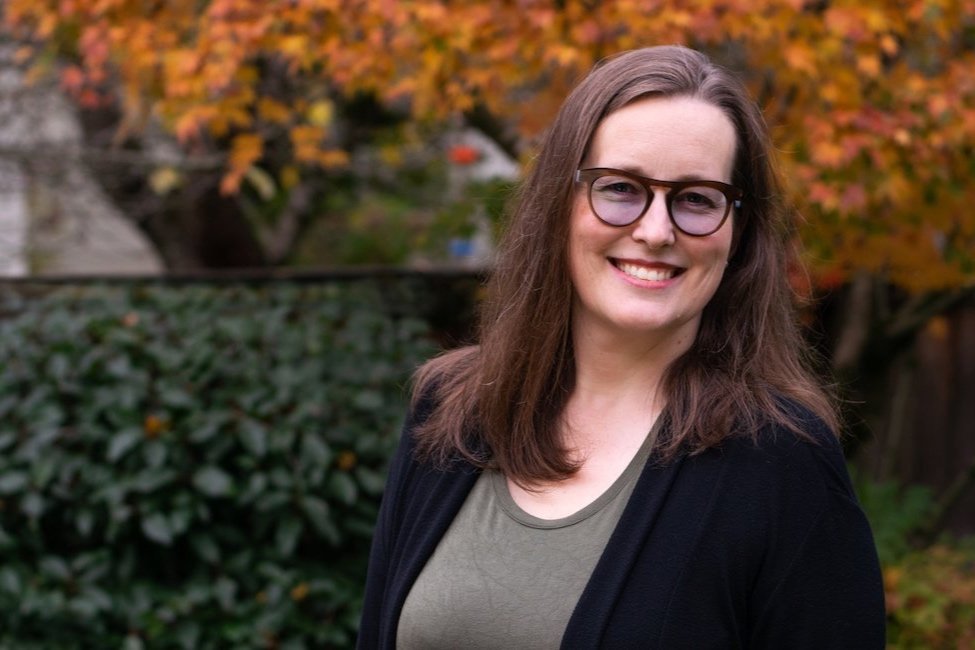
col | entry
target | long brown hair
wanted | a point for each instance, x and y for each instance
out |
(499, 403)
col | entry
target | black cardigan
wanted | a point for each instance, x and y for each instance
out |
(743, 546)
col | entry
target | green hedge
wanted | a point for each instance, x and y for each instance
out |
(194, 467)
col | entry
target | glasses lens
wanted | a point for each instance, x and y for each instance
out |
(617, 200)
(698, 210)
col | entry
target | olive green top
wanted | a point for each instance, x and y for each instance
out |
(501, 578)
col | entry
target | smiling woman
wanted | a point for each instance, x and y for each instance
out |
(636, 453)
(648, 277)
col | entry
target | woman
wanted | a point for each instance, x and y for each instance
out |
(636, 454)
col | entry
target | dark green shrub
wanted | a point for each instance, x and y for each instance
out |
(194, 467)
(896, 513)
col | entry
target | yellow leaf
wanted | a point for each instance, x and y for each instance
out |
(164, 180)
(320, 113)
(294, 45)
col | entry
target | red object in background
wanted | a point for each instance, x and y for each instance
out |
(463, 154)
(831, 279)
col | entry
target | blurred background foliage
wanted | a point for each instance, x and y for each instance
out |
(929, 582)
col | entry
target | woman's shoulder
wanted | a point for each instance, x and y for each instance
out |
(803, 454)
(792, 428)
(798, 429)
(777, 484)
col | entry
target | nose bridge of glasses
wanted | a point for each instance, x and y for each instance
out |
(652, 192)
(653, 187)
(646, 220)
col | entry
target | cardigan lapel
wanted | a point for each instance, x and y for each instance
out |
(594, 609)
(436, 500)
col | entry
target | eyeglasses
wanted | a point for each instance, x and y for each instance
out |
(696, 208)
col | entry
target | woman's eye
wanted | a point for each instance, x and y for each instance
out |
(697, 200)
(617, 187)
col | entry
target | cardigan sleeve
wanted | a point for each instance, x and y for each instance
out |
(826, 590)
(377, 574)
(832, 594)
(387, 525)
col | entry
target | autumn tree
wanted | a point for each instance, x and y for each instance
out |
(872, 104)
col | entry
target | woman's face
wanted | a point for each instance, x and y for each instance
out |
(648, 278)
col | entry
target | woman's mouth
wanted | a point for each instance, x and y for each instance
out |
(651, 274)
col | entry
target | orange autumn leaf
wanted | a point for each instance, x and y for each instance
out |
(271, 110)
(307, 142)
(245, 150)
(331, 158)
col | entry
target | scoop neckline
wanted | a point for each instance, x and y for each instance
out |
(629, 475)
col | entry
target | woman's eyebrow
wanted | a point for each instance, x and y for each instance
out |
(682, 178)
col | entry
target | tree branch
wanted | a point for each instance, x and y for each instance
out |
(856, 326)
(964, 480)
(278, 241)
(919, 309)
(897, 421)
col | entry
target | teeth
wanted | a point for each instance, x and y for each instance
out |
(643, 273)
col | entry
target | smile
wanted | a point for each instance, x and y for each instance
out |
(645, 273)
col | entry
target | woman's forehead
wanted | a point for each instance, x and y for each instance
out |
(666, 138)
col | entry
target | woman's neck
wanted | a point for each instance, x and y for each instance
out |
(619, 363)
